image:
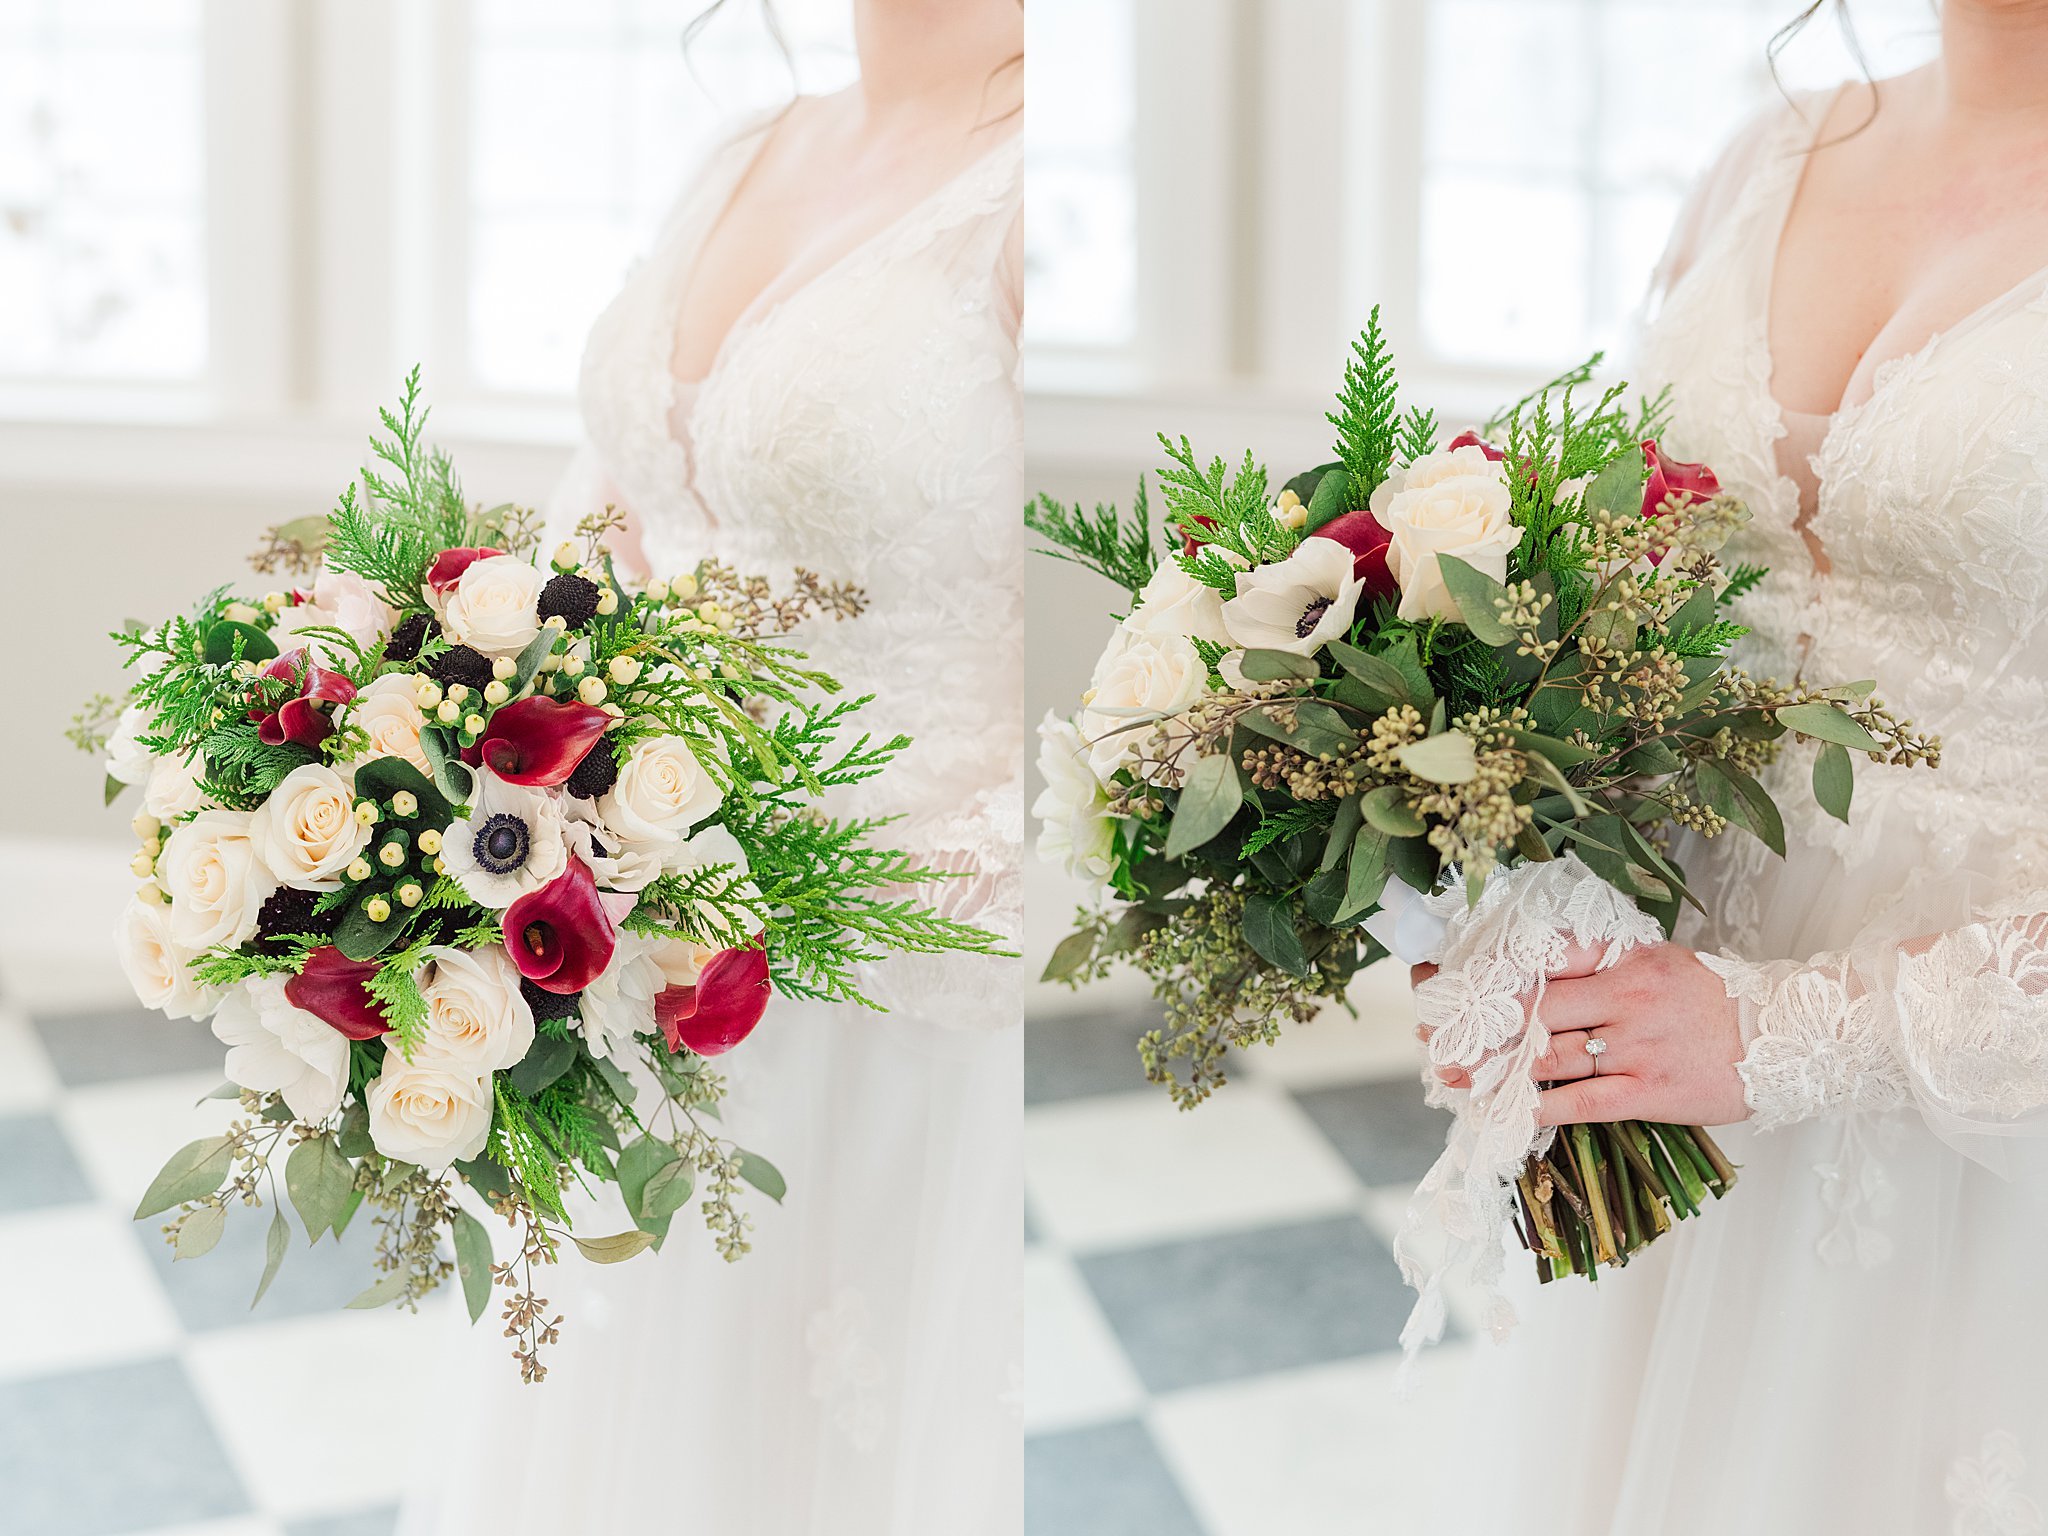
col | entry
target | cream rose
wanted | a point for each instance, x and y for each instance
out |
(157, 967)
(495, 606)
(477, 1018)
(277, 1047)
(307, 832)
(661, 793)
(619, 1004)
(1174, 603)
(1299, 604)
(389, 713)
(1452, 502)
(341, 600)
(429, 1112)
(216, 880)
(128, 760)
(1142, 678)
(1075, 826)
(681, 961)
(173, 788)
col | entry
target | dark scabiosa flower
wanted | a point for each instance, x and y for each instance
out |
(334, 987)
(597, 773)
(721, 1008)
(300, 718)
(460, 664)
(560, 937)
(570, 598)
(548, 1005)
(539, 741)
(413, 631)
(289, 910)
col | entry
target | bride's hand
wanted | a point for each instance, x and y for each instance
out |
(1672, 1032)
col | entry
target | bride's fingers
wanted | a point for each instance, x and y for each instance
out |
(1580, 960)
(1418, 974)
(1590, 1100)
(1564, 1059)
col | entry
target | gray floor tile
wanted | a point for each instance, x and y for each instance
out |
(108, 1451)
(1108, 1480)
(1385, 1131)
(37, 1166)
(213, 1290)
(108, 1046)
(366, 1522)
(1072, 1055)
(1221, 1308)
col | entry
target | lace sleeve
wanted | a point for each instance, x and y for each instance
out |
(1955, 1024)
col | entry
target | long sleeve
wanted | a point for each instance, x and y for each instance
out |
(1956, 1024)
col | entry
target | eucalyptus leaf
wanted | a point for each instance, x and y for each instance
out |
(1332, 498)
(199, 1232)
(1834, 779)
(1618, 488)
(667, 1191)
(1365, 877)
(1387, 809)
(1343, 829)
(1446, 758)
(1477, 595)
(1318, 730)
(1269, 929)
(473, 1263)
(1764, 818)
(452, 776)
(1209, 798)
(222, 635)
(1414, 862)
(276, 1242)
(615, 1249)
(1385, 681)
(763, 1175)
(319, 1180)
(544, 1063)
(1278, 667)
(113, 790)
(1069, 956)
(487, 1177)
(194, 1171)
(387, 1290)
(1826, 722)
(354, 1137)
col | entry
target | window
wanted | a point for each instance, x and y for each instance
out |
(583, 122)
(102, 191)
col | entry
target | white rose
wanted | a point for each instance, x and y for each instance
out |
(307, 832)
(388, 712)
(342, 600)
(681, 961)
(1174, 603)
(429, 1112)
(1076, 829)
(1299, 604)
(216, 880)
(477, 1018)
(619, 1004)
(1142, 678)
(128, 760)
(511, 843)
(157, 967)
(614, 864)
(274, 1046)
(495, 607)
(661, 792)
(173, 788)
(1453, 502)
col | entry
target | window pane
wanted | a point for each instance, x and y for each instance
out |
(102, 191)
(1081, 259)
(1559, 137)
(585, 122)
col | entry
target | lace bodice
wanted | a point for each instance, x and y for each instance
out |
(1927, 570)
(863, 423)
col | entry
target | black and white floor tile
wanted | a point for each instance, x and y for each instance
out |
(139, 1398)
(1211, 1295)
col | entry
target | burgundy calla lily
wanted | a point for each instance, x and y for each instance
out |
(1367, 538)
(449, 565)
(539, 741)
(560, 936)
(300, 719)
(722, 1008)
(1666, 477)
(332, 987)
(1469, 439)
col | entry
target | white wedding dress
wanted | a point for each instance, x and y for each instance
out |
(1856, 1340)
(855, 1374)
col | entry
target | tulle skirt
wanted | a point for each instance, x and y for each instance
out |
(853, 1375)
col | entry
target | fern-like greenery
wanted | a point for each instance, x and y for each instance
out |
(409, 512)
(1224, 514)
(1368, 414)
(1120, 550)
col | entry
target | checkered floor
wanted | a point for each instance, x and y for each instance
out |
(136, 1397)
(1211, 1296)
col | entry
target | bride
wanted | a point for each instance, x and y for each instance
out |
(815, 367)
(1854, 324)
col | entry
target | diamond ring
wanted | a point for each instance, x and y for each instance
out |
(1595, 1048)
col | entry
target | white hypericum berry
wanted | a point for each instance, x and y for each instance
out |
(625, 669)
(565, 556)
(607, 602)
(410, 894)
(273, 602)
(684, 587)
(504, 667)
(591, 690)
(448, 712)
(426, 692)
(377, 909)
(391, 855)
(496, 693)
(145, 825)
(366, 812)
(555, 622)
(657, 591)
(474, 725)
(240, 613)
(405, 803)
(458, 692)
(359, 869)
(430, 841)
(143, 865)
(572, 666)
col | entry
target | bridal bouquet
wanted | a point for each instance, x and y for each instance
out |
(461, 853)
(1427, 686)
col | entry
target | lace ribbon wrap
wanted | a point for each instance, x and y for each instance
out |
(1494, 953)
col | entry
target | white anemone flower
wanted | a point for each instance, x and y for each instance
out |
(1299, 604)
(511, 844)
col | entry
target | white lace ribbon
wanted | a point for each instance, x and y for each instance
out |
(1494, 953)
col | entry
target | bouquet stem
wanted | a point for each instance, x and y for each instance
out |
(1602, 1192)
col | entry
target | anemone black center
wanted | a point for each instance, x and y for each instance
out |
(502, 844)
(1311, 616)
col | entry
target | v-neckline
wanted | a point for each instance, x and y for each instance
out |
(768, 303)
